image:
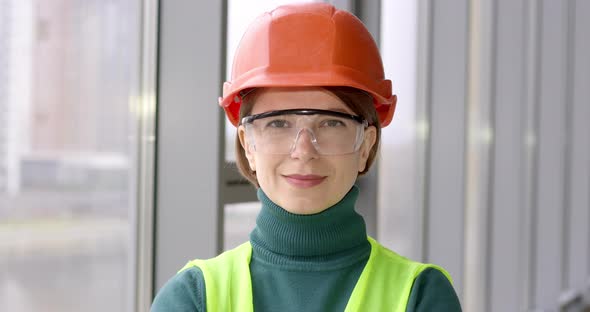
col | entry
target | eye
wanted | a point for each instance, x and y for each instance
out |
(333, 123)
(277, 123)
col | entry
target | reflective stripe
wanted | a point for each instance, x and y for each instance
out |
(227, 280)
(384, 284)
(386, 281)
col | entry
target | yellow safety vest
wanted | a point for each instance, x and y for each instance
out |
(384, 285)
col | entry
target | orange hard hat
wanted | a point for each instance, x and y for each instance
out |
(310, 44)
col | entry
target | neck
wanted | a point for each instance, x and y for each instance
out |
(333, 231)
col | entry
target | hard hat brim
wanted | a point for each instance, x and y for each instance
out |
(383, 99)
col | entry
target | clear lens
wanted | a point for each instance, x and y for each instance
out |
(330, 135)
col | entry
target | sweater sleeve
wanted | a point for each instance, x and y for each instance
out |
(432, 291)
(184, 292)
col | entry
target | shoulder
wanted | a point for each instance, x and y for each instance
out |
(432, 291)
(388, 258)
(431, 286)
(184, 292)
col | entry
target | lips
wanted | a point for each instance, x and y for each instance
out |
(304, 181)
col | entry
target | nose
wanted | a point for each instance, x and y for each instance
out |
(303, 147)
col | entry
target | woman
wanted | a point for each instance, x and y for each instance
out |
(309, 98)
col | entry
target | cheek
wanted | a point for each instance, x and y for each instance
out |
(347, 168)
(266, 167)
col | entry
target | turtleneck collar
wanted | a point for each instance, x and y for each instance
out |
(333, 231)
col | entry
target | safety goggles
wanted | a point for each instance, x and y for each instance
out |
(330, 132)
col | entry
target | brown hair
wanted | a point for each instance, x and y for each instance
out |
(360, 102)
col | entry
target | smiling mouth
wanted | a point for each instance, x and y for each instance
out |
(304, 181)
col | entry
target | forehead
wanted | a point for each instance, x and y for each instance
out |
(271, 99)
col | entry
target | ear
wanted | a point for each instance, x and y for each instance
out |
(246, 147)
(365, 149)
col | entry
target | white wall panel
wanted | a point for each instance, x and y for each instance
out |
(578, 264)
(551, 141)
(192, 36)
(505, 291)
(445, 206)
(502, 177)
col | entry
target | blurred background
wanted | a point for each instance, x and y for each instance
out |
(116, 163)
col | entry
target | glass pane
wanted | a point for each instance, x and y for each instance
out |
(239, 221)
(68, 69)
(240, 218)
(402, 152)
(239, 15)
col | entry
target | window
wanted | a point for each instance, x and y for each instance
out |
(240, 218)
(68, 72)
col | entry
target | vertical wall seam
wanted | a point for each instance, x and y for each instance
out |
(568, 100)
(155, 224)
(530, 130)
(368, 201)
(470, 293)
(466, 91)
(524, 198)
(221, 132)
(538, 71)
(429, 20)
(587, 285)
(474, 197)
(491, 159)
(526, 171)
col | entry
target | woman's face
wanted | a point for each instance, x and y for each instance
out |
(305, 182)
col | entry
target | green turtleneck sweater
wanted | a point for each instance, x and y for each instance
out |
(306, 263)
